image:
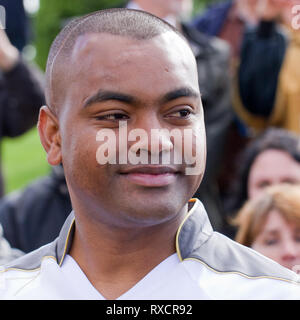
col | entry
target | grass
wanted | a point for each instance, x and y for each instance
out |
(23, 160)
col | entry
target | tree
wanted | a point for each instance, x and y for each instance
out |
(54, 14)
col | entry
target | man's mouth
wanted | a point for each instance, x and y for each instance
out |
(151, 176)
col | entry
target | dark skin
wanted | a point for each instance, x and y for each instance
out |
(124, 226)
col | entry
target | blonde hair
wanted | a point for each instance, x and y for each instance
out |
(285, 198)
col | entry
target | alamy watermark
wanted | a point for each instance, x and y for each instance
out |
(296, 18)
(2, 18)
(163, 146)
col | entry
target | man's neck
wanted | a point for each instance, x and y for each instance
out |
(114, 260)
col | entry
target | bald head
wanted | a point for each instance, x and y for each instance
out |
(134, 24)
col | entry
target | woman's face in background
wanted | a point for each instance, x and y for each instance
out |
(279, 240)
(272, 167)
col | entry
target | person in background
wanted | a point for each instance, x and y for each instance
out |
(212, 57)
(267, 89)
(270, 224)
(17, 23)
(228, 20)
(272, 158)
(21, 92)
(34, 216)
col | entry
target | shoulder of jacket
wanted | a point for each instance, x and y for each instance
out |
(223, 255)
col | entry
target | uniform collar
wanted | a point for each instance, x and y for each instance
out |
(194, 230)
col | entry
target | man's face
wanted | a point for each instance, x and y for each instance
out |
(149, 84)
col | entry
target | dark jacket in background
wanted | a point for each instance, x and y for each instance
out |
(262, 56)
(17, 24)
(213, 61)
(21, 96)
(222, 20)
(33, 217)
(213, 19)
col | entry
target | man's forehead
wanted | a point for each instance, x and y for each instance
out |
(167, 43)
(149, 67)
(117, 60)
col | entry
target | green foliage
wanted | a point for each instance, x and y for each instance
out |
(200, 5)
(54, 14)
(24, 160)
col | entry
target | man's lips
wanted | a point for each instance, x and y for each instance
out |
(150, 176)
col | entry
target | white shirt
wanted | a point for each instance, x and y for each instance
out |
(168, 280)
(207, 265)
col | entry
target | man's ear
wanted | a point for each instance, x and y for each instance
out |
(50, 136)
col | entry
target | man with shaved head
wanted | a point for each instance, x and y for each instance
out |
(113, 78)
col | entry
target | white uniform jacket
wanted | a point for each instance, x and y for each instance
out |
(210, 266)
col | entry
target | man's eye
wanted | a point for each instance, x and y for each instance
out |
(184, 113)
(113, 117)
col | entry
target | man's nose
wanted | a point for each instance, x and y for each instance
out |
(154, 138)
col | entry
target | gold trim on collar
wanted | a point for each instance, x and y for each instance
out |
(242, 274)
(67, 241)
(181, 225)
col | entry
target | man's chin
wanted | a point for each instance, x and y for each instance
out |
(153, 211)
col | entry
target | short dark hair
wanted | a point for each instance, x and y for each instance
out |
(272, 138)
(135, 24)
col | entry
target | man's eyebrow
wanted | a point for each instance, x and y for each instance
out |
(179, 93)
(102, 96)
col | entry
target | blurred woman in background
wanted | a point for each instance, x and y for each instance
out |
(270, 224)
(271, 158)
